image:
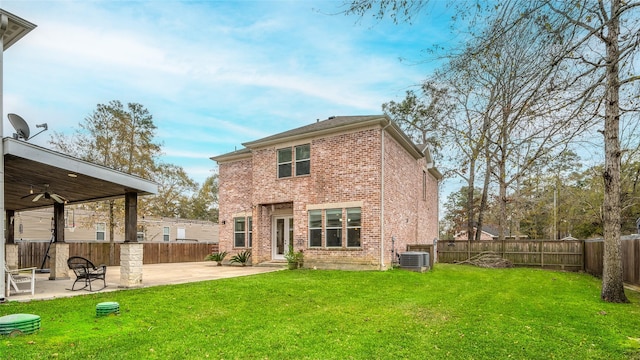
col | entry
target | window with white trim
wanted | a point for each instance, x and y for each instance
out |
(303, 159)
(315, 228)
(249, 231)
(69, 218)
(333, 227)
(284, 163)
(140, 233)
(100, 231)
(165, 233)
(298, 157)
(239, 229)
(424, 185)
(332, 231)
(354, 225)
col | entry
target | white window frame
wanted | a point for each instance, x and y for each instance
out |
(236, 232)
(281, 163)
(166, 233)
(294, 161)
(340, 229)
(101, 228)
(353, 225)
(298, 161)
(343, 229)
(140, 233)
(316, 212)
(249, 232)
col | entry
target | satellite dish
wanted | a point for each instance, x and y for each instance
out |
(22, 129)
(18, 123)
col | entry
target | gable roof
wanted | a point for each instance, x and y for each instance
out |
(334, 125)
(331, 125)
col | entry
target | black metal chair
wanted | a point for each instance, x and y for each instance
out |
(86, 272)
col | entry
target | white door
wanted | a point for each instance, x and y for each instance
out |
(282, 236)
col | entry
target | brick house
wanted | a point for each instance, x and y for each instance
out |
(351, 191)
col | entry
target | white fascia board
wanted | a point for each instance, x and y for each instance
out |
(41, 155)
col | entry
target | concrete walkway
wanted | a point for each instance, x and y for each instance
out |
(152, 275)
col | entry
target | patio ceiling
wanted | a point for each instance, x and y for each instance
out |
(29, 166)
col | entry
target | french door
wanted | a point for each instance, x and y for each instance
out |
(282, 236)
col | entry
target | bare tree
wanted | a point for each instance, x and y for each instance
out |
(592, 45)
(600, 41)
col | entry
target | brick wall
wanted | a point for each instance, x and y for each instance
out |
(345, 168)
(234, 196)
(410, 216)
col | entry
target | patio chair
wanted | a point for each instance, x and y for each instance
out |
(86, 273)
(20, 276)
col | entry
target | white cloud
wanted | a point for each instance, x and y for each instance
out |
(213, 74)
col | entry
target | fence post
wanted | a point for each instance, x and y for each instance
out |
(542, 254)
(583, 254)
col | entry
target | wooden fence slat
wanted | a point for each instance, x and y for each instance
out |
(31, 253)
(575, 255)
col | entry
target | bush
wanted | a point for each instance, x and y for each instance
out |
(242, 257)
(217, 257)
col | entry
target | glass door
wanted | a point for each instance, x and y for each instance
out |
(282, 236)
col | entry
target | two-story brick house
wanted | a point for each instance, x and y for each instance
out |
(350, 191)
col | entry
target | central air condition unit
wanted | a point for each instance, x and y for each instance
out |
(415, 261)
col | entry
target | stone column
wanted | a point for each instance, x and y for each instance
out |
(11, 256)
(59, 253)
(131, 265)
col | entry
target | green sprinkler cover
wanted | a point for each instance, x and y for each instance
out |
(19, 323)
(107, 308)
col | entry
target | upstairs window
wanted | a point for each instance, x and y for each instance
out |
(303, 160)
(284, 163)
(298, 157)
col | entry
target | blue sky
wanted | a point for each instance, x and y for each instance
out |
(213, 74)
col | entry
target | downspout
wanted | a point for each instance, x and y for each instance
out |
(382, 267)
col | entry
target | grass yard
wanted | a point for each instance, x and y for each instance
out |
(451, 312)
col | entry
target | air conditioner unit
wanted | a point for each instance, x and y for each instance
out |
(415, 261)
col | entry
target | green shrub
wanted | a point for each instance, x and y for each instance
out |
(242, 257)
(217, 257)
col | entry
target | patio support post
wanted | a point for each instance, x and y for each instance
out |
(131, 252)
(11, 254)
(59, 250)
(131, 217)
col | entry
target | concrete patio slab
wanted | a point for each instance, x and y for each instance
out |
(152, 275)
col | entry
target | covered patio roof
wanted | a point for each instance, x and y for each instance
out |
(29, 166)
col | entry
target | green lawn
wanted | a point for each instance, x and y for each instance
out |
(451, 312)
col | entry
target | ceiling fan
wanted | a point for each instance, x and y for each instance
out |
(45, 194)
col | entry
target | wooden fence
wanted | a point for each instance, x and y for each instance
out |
(572, 255)
(32, 253)
(425, 248)
(594, 254)
(547, 254)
